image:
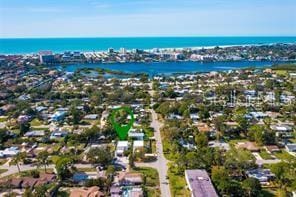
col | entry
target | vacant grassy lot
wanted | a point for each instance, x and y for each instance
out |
(151, 181)
(177, 183)
(284, 155)
(265, 155)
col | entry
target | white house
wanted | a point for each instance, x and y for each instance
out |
(121, 147)
(194, 116)
(35, 133)
(91, 117)
(10, 152)
(138, 144)
(136, 135)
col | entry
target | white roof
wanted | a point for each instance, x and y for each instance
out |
(135, 134)
(122, 144)
(138, 143)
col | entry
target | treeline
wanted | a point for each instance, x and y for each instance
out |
(288, 67)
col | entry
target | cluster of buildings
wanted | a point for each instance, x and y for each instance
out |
(40, 117)
(43, 109)
(273, 52)
(234, 102)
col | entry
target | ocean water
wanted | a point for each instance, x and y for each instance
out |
(33, 45)
(168, 68)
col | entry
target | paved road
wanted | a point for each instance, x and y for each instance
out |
(161, 163)
(103, 119)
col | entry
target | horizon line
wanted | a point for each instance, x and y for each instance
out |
(153, 36)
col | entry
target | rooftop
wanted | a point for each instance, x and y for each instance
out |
(200, 183)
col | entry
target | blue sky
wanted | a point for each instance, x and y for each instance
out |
(115, 18)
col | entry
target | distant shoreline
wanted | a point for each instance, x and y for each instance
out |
(165, 49)
(29, 46)
(169, 68)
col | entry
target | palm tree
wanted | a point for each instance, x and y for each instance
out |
(42, 159)
(19, 157)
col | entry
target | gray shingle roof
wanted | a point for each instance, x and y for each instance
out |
(200, 183)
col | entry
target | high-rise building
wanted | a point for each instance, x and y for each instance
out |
(110, 50)
(46, 57)
(122, 51)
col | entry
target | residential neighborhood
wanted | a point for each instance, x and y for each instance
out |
(228, 133)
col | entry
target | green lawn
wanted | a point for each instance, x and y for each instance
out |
(150, 176)
(87, 169)
(39, 128)
(151, 181)
(35, 122)
(25, 173)
(265, 155)
(152, 192)
(234, 142)
(149, 132)
(284, 155)
(167, 150)
(177, 183)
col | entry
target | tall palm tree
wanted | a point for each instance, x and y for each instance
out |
(17, 159)
(42, 159)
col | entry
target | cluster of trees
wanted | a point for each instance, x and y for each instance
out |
(285, 174)
(261, 135)
(3, 137)
(182, 108)
(100, 156)
(250, 187)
